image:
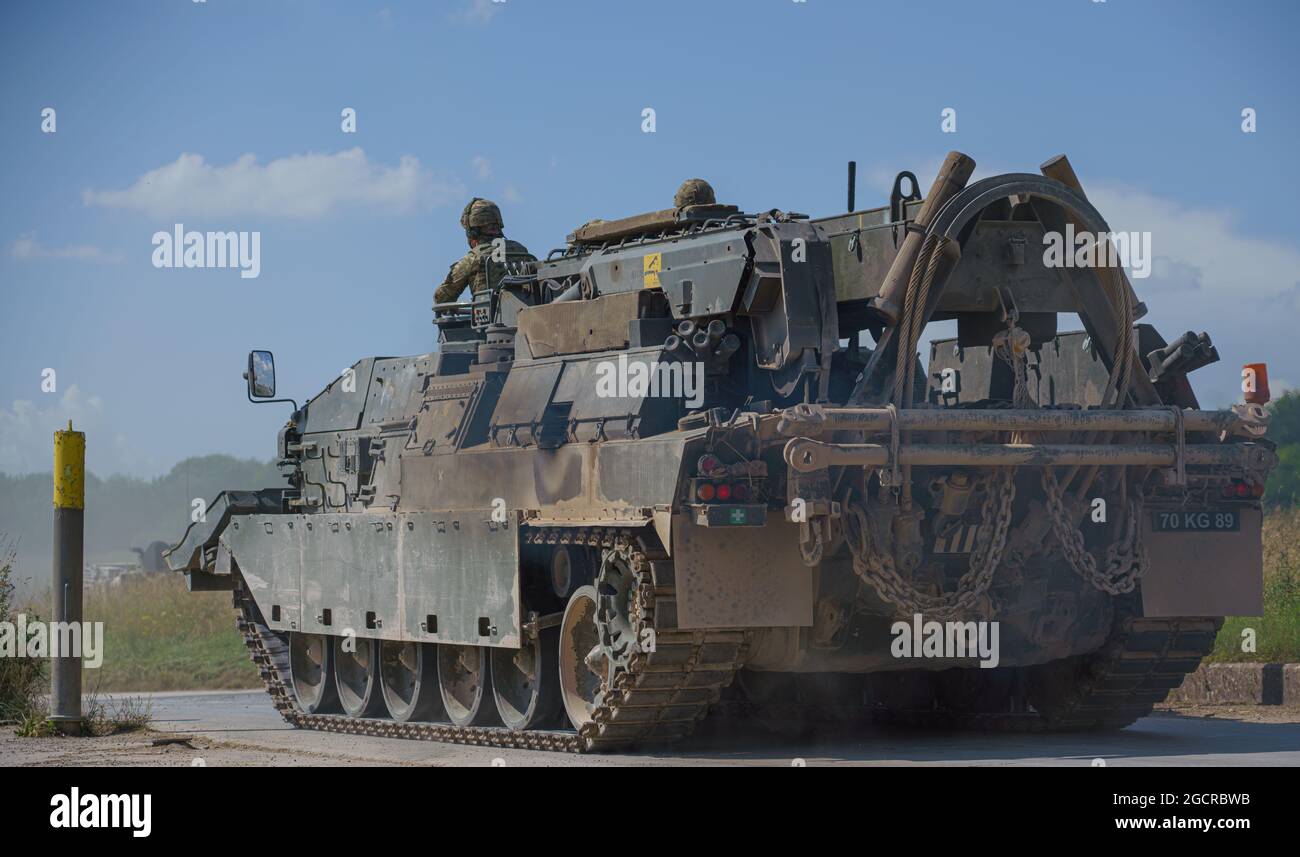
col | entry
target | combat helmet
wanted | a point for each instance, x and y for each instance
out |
(694, 192)
(480, 217)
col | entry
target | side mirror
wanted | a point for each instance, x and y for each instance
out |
(261, 375)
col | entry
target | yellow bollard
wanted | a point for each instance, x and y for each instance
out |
(69, 554)
(69, 469)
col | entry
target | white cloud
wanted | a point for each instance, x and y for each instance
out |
(28, 247)
(482, 167)
(308, 185)
(27, 435)
(511, 194)
(1210, 274)
(1207, 247)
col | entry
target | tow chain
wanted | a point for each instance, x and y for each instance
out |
(1126, 559)
(877, 567)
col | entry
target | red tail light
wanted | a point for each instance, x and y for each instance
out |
(724, 492)
(740, 492)
(705, 491)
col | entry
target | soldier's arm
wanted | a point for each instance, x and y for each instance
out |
(456, 280)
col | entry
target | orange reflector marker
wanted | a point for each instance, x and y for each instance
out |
(1254, 383)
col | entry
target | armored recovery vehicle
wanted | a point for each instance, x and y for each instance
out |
(691, 461)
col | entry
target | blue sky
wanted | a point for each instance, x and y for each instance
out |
(537, 105)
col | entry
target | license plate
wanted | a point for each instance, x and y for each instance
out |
(1197, 521)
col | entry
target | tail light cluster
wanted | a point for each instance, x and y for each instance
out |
(722, 492)
(1240, 489)
(719, 482)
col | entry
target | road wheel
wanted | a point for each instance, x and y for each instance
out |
(463, 681)
(356, 676)
(408, 674)
(312, 674)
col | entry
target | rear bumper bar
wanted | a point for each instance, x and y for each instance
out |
(809, 449)
(806, 455)
(1252, 421)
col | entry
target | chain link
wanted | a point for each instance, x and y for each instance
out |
(877, 568)
(1126, 559)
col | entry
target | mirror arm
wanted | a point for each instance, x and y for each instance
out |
(270, 401)
(248, 391)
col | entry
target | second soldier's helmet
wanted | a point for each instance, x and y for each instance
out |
(481, 216)
(694, 192)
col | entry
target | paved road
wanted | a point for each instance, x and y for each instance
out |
(246, 720)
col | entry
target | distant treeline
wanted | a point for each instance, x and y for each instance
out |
(1283, 488)
(122, 512)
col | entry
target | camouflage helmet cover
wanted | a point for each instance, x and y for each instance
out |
(480, 214)
(694, 192)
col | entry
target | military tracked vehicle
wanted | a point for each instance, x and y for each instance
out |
(692, 462)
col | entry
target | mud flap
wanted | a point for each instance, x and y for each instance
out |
(1205, 573)
(741, 577)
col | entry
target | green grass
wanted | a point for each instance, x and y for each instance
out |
(160, 636)
(1277, 632)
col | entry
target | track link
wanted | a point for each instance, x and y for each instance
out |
(661, 696)
(1142, 661)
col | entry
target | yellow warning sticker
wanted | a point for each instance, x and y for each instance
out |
(651, 265)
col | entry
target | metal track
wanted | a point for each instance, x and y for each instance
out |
(1143, 661)
(661, 697)
(1135, 670)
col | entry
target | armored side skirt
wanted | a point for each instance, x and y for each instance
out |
(444, 577)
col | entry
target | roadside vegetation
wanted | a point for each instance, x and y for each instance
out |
(1283, 489)
(100, 717)
(160, 636)
(22, 680)
(1277, 632)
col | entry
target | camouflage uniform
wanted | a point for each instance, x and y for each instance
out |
(477, 269)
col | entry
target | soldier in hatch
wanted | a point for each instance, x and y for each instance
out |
(694, 192)
(490, 252)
